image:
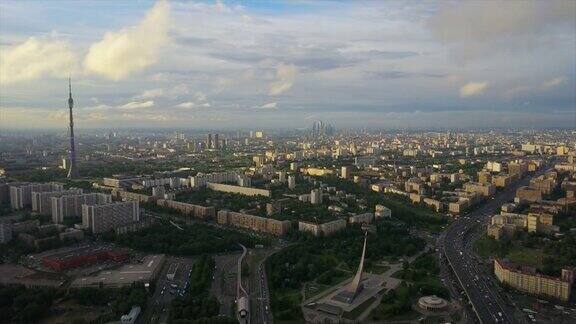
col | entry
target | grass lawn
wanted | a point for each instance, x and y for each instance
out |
(526, 256)
(486, 247)
(313, 289)
(407, 316)
(378, 269)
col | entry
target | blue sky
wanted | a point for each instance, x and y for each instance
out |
(390, 64)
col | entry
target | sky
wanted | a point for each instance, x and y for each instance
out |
(285, 64)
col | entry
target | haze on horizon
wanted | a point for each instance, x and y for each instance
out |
(206, 64)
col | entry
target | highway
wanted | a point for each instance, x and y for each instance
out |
(456, 243)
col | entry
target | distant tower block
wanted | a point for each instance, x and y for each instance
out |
(73, 171)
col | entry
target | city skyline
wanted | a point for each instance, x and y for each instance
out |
(240, 64)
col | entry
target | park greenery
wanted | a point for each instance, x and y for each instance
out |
(548, 255)
(402, 209)
(198, 306)
(420, 278)
(25, 305)
(221, 200)
(194, 239)
(19, 304)
(312, 257)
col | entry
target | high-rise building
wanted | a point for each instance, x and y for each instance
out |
(291, 182)
(345, 172)
(5, 232)
(42, 201)
(209, 141)
(71, 205)
(73, 171)
(319, 129)
(21, 194)
(107, 217)
(316, 196)
(216, 143)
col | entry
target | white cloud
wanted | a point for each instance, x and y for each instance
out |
(60, 114)
(473, 89)
(96, 116)
(187, 104)
(152, 93)
(34, 59)
(130, 50)
(137, 105)
(200, 96)
(552, 83)
(270, 105)
(285, 75)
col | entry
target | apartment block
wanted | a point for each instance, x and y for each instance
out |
(254, 223)
(527, 280)
(5, 232)
(364, 218)
(485, 190)
(107, 217)
(527, 194)
(71, 205)
(195, 211)
(21, 194)
(325, 229)
(238, 190)
(42, 201)
(201, 180)
(381, 211)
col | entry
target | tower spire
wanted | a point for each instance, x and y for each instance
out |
(72, 172)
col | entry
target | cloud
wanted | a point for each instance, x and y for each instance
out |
(172, 93)
(191, 104)
(285, 75)
(152, 93)
(137, 105)
(188, 104)
(270, 105)
(473, 89)
(552, 83)
(130, 50)
(477, 28)
(96, 116)
(34, 59)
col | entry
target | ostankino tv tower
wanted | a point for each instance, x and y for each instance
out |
(73, 171)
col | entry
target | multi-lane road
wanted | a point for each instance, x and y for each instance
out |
(456, 243)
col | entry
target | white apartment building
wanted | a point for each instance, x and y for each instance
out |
(71, 205)
(107, 217)
(21, 194)
(42, 201)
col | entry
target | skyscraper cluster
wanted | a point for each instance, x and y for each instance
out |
(321, 129)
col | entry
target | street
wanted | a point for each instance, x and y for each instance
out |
(456, 243)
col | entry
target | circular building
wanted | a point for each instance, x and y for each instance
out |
(432, 303)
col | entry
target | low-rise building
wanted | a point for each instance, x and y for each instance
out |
(252, 222)
(325, 229)
(364, 218)
(238, 189)
(485, 190)
(527, 194)
(194, 211)
(381, 211)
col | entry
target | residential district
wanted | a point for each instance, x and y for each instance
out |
(318, 225)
